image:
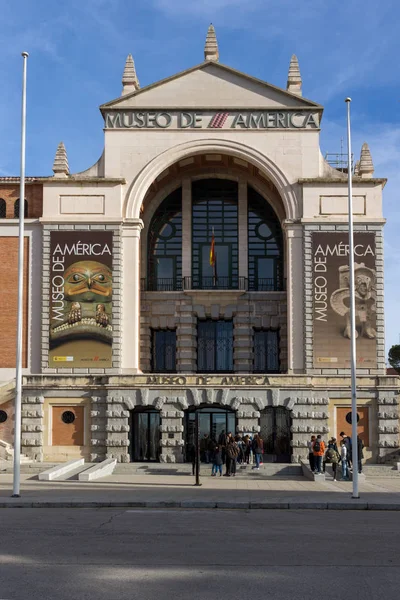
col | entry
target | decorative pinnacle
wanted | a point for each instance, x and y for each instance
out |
(366, 167)
(60, 165)
(211, 51)
(294, 78)
(130, 79)
(357, 169)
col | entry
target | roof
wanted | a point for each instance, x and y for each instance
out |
(296, 99)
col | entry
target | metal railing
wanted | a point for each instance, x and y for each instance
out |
(214, 283)
(179, 284)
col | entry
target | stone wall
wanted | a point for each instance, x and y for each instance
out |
(176, 310)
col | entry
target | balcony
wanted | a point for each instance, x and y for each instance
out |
(243, 284)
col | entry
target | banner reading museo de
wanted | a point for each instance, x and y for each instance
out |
(80, 299)
(331, 299)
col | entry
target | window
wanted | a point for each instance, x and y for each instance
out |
(16, 209)
(165, 245)
(164, 351)
(265, 245)
(215, 346)
(3, 209)
(215, 212)
(266, 351)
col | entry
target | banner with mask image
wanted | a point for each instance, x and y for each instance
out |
(80, 299)
(331, 299)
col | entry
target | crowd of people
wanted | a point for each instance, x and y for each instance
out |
(319, 454)
(230, 451)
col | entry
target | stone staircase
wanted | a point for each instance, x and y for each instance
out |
(7, 454)
(287, 471)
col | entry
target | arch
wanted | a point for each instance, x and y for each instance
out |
(150, 172)
(164, 239)
(16, 209)
(3, 209)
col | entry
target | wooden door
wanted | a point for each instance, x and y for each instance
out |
(343, 422)
(68, 425)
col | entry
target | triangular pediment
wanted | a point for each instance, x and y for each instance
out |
(211, 85)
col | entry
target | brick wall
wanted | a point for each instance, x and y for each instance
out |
(33, 195)
(8, 300)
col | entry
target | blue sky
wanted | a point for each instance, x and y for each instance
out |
(78, 49)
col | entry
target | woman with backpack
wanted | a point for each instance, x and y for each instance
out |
(258, 451)
(332, 456)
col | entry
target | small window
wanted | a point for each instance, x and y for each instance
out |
(3, 209)
(266, 351)
(16, 209)
(163, 351)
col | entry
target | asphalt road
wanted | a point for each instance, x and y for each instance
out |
(109, 554)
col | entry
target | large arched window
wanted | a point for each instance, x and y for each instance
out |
(3, 209)
(16, 209)
(215, 222)
(165, 245)
(265, 245)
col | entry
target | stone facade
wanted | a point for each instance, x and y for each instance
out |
(229, 126)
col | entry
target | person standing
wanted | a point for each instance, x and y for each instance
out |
(216, 462)
(332, 457)
(343, 456)
(347, 440)
(360, 454)
(258, 450)
(247, 449)
(311, 460)
(318, 451)
(222, 445)
(232, 451)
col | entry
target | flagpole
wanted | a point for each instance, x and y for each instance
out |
(18, 375)
(352, 314)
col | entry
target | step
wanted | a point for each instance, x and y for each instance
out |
(266, 470)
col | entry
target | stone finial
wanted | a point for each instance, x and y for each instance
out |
(60, 165)
(211, 51)
(366, 168)
(357, 169)
(294, 78)
(130, 81)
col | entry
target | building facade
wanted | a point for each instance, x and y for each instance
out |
(200, 265)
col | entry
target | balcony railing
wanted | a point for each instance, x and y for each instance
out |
(214, 283)
(179, 284)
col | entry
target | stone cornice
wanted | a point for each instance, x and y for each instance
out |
(355, 180)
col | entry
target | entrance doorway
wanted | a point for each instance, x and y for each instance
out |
(213, 420)
(145, 435)
(275, 424)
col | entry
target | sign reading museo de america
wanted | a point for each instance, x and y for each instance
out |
(271, 119)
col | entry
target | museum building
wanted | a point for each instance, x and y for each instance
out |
(201, 265)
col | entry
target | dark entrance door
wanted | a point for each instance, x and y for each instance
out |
(275, 426)
(145, 435)
(213, 420)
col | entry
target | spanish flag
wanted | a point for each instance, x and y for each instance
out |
(212, 250)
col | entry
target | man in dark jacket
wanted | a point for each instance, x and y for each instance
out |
(347, 443)
(360, 454)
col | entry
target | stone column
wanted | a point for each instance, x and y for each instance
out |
(186, 227)
(130, 362)
(295, 291)
(117, 429)
(388, 426)
(243, 230)
(309, 416)
(171, 434)
(32, 427)
(98, 428)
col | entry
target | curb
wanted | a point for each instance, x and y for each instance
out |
(188, 504)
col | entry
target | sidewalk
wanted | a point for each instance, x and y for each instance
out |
(168, 491)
